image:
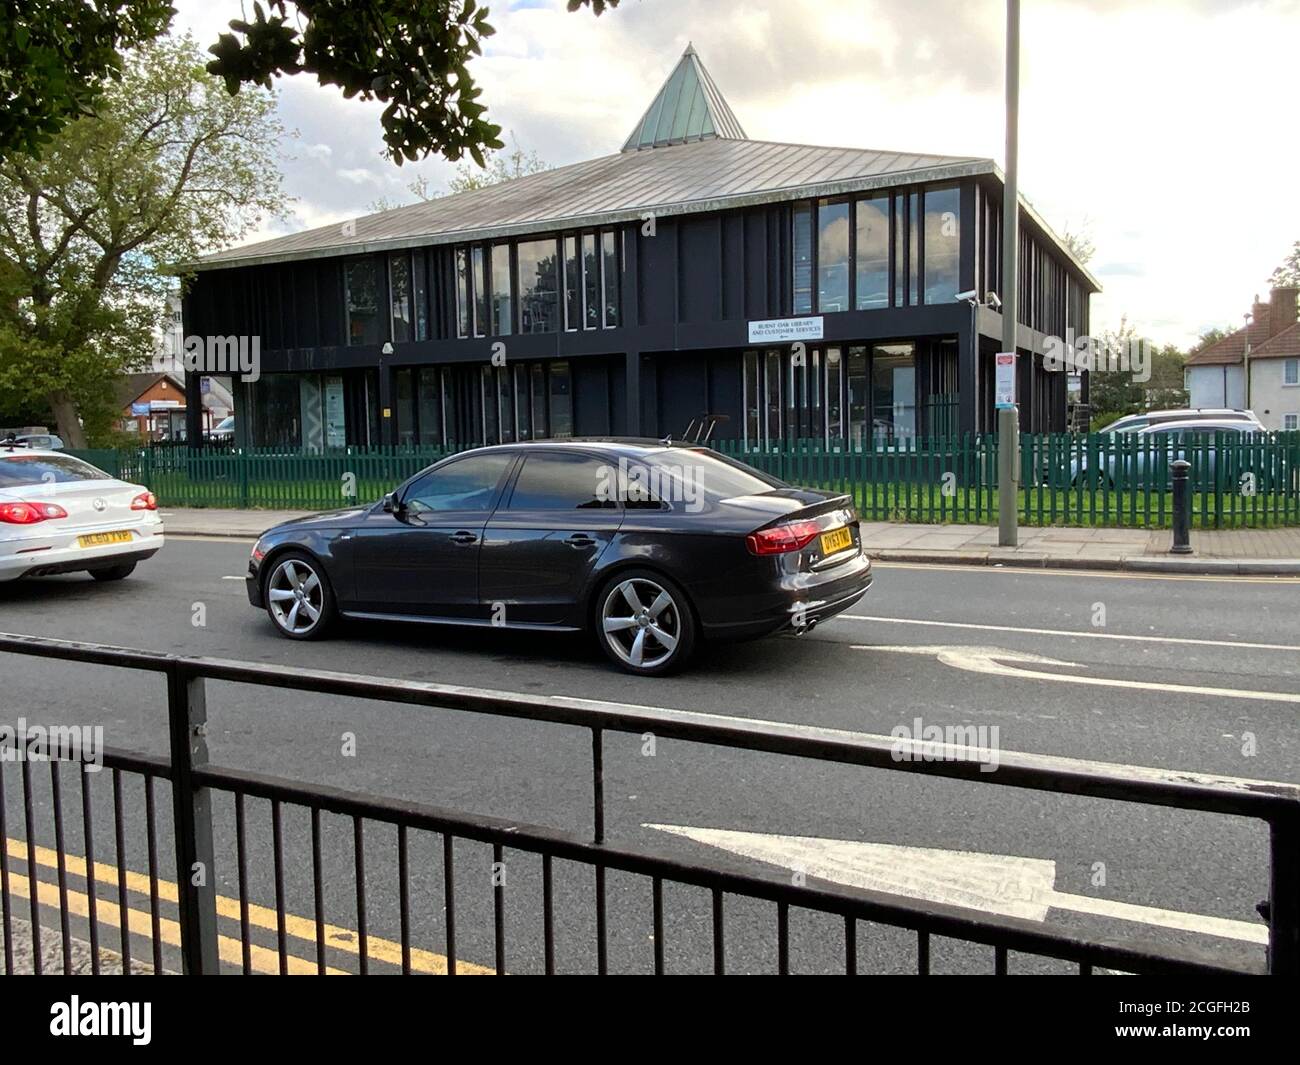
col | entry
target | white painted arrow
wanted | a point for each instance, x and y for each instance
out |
(994, 660)
(995, 883)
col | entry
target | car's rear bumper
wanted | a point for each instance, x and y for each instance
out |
(795, 603)
(31, 557)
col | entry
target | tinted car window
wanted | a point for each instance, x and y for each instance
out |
(566, 482)
(467, 484)
(684, 472)
(18, 470)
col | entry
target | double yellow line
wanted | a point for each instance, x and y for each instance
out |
(231, 950)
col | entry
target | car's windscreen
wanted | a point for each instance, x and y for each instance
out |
(19, 470)
(691, 471)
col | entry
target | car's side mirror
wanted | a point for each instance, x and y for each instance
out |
(393, 505)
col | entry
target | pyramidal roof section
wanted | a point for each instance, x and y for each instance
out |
(689, 107)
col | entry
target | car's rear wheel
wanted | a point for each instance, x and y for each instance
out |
(644, 624)
(298, 597)
(114, 573)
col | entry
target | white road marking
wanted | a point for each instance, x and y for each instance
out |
(1098, 574)
(993, 660)
(1073, 632)
(238, 578)
(995, 883)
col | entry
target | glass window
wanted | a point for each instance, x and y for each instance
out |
(610, 277)
(539, 400)
(753, 399)
(430, 408)
(900, 251)
(834, 397)
(488, 397)
(561, 401)
(873, 252)
(590, 282)
(803, 259)
(479, 260)
(1291, 372)
(537, 286)
(502, 306)
(506, 404)
(462, 292)
(565, 482)
(832, 257)
(857, 375)
(1290, 422)
(405, 407)
(362, 294)
(466, 484)
(17, 471)
(914, 250)
(893, 392)
(697, 470)
(773, 361)
(942, 244)
(399, 285)
(572, 285)
(420, 295)
(523, 404)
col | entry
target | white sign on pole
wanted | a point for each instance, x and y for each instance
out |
(775, 330)
(1004, 382)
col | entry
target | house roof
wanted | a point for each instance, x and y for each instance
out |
(1286, 345)
(1230, 350)
(689, 107)
(688, 154)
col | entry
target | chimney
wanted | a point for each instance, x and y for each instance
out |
(1282, 309)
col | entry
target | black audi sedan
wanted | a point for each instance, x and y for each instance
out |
(650, 546)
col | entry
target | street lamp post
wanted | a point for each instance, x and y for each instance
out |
(1008, 417)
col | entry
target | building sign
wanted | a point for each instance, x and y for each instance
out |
(1004, 382)
(775, 330)
(140, 409)
(335, 421)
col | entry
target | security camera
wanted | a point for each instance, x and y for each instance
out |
(994, 301)
(967, 297)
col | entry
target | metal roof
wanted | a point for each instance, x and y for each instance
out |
(702, 175)
(689, 107)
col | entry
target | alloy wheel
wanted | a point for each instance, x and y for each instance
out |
(296, 596)
(641, 623)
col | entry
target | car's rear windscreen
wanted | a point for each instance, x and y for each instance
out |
(17, 471)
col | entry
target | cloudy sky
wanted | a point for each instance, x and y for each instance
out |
(1167, 128)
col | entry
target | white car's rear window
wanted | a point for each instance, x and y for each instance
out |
(19, 470)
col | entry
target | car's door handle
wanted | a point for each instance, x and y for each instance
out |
(463, 537)
(581, 540)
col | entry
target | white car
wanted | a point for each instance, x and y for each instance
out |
(61, 515)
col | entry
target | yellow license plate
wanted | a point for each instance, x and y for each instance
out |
(100, 539)
(836, 540)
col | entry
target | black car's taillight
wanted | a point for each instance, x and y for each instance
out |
(782, 539)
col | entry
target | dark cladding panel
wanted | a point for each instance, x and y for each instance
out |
(757, 291)
(329, 298)
(305, 315)
(733, 265)
(682, 392)
(699, 255)
(726, 394)
(591, 415)
(618, 396)
(656, 273)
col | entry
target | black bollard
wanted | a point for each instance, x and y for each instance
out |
(1182, 509)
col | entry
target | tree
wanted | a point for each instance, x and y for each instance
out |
(413, 55)
(170, 167)
(1288, 274)
(55, 58)
(1079, 241)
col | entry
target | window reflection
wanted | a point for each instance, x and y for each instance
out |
(873, 252)
(942, 244)
(832, 257)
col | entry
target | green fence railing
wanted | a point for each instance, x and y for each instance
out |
(1238, 480)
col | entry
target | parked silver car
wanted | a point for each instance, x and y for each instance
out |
(1132, 423)
(1199, 441)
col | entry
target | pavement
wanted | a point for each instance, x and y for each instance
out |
(1194, 674)
(1260, 552)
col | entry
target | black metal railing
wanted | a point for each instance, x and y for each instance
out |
(194, 782)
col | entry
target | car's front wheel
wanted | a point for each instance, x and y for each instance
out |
(644, 624)
(298, 597)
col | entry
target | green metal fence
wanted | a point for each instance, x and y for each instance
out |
(1238, 480)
